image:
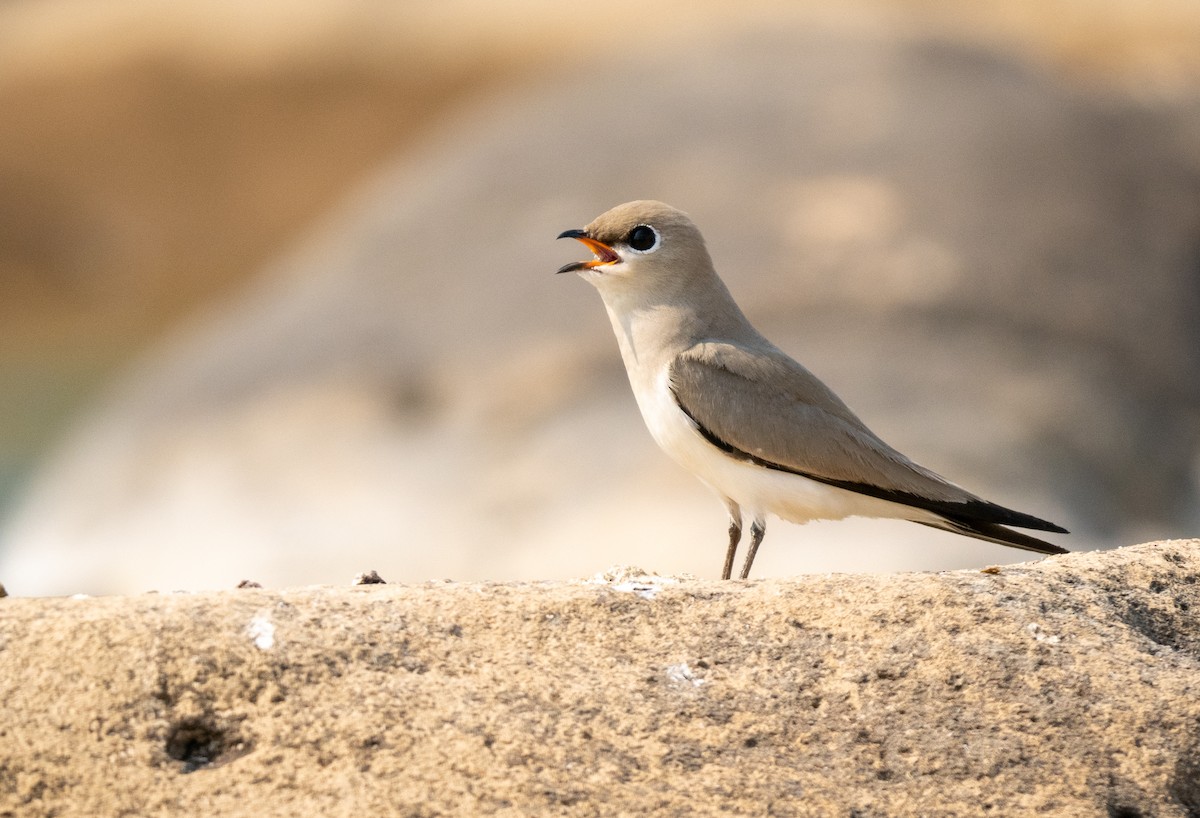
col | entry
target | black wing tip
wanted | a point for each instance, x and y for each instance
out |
(1037, 546)
(998, 514)
(987, 521)
(991, 532)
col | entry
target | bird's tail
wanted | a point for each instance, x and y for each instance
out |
(992, 532)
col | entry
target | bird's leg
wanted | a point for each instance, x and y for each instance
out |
(735, 537)
(757, 530)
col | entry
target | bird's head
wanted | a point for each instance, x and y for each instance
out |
(641, 247)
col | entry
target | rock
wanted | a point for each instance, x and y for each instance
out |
(944, 234)
(1068, 687)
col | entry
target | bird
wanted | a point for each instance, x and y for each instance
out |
(758, 428)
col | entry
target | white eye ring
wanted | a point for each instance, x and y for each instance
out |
(637, 236)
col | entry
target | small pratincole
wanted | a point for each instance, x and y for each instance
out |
(726, 404)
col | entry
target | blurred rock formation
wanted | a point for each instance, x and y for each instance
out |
(997, 269)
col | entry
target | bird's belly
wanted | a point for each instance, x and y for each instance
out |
(756, 489)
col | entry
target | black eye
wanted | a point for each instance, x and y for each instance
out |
(642, 238)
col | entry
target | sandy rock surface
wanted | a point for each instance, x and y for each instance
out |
(1066, 687)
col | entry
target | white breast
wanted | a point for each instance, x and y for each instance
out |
(757, 490)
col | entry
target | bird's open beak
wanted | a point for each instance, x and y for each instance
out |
(604, 253)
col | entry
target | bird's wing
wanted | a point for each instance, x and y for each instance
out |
(760, 405)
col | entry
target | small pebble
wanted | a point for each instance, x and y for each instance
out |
(369, 578)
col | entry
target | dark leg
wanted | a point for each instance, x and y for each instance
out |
(735, 537)
(757, 530)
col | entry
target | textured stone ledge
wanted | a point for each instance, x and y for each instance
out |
(1065, 687)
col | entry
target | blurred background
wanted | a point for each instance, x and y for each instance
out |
(277, 296)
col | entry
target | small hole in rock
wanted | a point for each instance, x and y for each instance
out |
(1123, 811)
(195, 743)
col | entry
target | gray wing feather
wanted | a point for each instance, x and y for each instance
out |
(761, 405)
(766, 405)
